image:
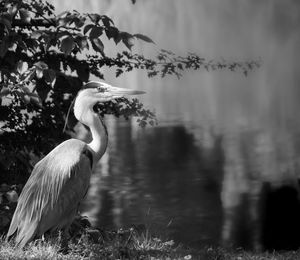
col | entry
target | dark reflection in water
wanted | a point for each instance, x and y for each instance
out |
(260, 190)
(232, 189)
(281, 226)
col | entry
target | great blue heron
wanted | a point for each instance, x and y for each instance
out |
(58, 183)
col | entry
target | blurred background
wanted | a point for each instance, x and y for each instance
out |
(222, 165)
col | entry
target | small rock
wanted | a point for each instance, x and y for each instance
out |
(12, 196)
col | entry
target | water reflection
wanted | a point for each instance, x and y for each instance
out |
(255, 216)
(232, 189)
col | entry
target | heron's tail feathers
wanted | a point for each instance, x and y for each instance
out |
(12, 228)
(26, 234)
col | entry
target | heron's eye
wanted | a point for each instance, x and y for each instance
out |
(101, 89)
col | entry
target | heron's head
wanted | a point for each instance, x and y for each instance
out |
(97, 92)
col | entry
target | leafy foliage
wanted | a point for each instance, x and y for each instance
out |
(44, 61)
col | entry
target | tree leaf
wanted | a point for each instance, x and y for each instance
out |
(39, 69)
(95, 17)
(28, 76)
(5, 21)
(98, 45)
(106, 20)
(41, 65)
(117, 38)
(62, 34)
(22, 45)
(39, 73)
(67, 45)
(82, 42)
(118, 72)
(63, 21)
(39, 7)
(42, 89)
(4, 92)
(127, 39)
(50, 76)
(25, 98)
(96, 32)
(143, 37)
(25, 15)
(35, 98)
(79, 21)
(3, 48)
(32, 44)
(36, 101)
(87, 28)
(112, 32)
(25, 89)
(22, 67)
(62, 14)
(12, 10)
(36, 34)
(83, 72)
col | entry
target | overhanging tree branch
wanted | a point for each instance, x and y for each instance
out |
(38, 22)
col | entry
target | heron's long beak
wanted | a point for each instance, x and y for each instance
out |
(120, 92)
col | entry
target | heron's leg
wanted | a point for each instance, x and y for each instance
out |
(65, 236)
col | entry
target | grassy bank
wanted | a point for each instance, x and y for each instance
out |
(129, 246)
(133, 243)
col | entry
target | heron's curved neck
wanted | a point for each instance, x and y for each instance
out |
(99, 137)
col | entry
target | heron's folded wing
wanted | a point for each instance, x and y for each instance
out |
(57, 184)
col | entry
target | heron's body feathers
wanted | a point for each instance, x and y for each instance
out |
(52, 194)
